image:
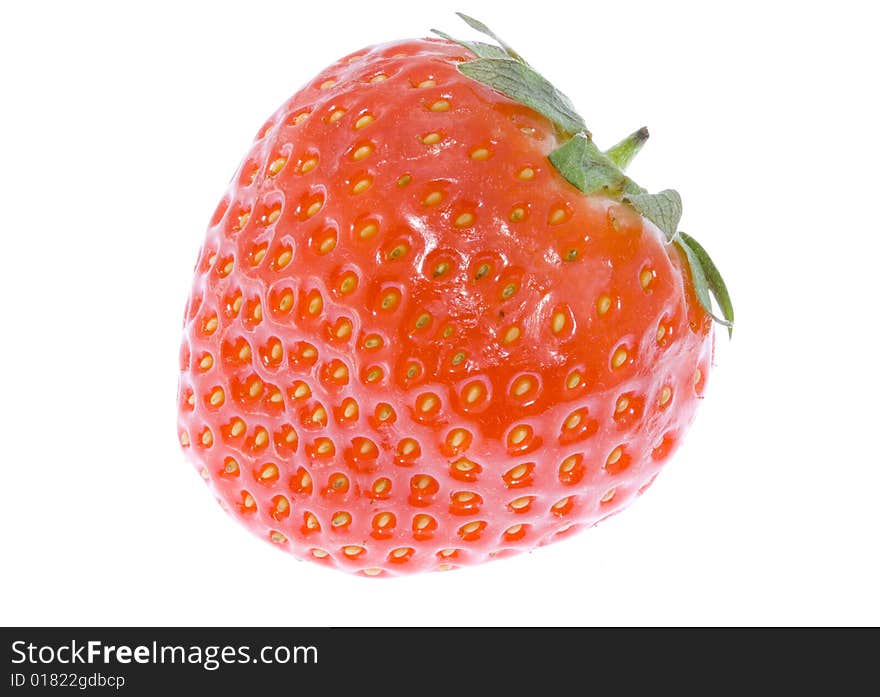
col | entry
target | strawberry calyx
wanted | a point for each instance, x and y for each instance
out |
(580, 161)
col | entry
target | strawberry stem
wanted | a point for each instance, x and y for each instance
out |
(625, 151)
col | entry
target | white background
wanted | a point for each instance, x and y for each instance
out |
(120, 129)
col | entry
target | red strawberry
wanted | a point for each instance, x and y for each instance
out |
(432, 323)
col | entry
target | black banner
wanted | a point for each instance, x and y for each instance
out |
(459, 661)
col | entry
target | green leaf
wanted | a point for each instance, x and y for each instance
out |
(568, 158)
(707, 279)
(662, 209)
(480, 49)
(624, 152)
(589, 169)
(483, 29)
(522, 84)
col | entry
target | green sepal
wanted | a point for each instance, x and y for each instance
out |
(662, 209)
(707, 280)
(480, 49)
(503, 69)
(588, 169)
(625, 151)
(522, 84)
(483, 29)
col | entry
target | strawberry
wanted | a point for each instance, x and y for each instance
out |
(432, 323)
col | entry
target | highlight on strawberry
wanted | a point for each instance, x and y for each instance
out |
(432, 323)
